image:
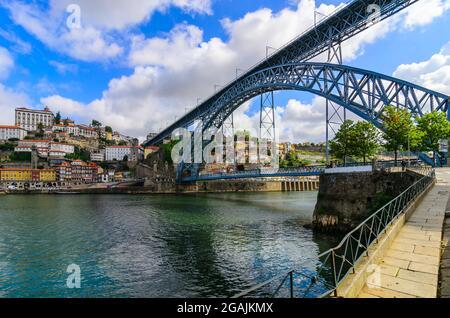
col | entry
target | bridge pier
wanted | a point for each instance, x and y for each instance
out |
(300, 185)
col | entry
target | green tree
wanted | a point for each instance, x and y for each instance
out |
(398, 128)
(108, 129)
(96, 123)
(7, 147)
(40, 127)
(367, 140)
(342, 146)
(434, 127)
(79, 154)
(20, 157)
(58, 118)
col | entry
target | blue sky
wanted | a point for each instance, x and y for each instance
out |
(137, 64)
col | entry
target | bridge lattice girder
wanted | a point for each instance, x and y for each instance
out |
(362, 92)
(343, 24)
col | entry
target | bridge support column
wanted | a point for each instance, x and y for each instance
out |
(228, 127)
(267, 117)
(448, 109)
(336, 115)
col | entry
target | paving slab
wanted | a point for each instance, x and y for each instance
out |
(410, 268)
(401, 285)
(383, 293)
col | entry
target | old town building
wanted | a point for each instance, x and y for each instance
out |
(77, 171)
(12, 132)
(29, 119)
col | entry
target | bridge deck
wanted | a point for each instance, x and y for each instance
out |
(410, 268)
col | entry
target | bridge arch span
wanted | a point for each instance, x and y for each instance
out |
(362, 92)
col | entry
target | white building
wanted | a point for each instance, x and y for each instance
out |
(34, 143)
(42, 146)
(10, 132)
(97, 156)
(70, 129)
(88, 132)
(29, 119)
(62, 148)
(118, 152)
(76, 130)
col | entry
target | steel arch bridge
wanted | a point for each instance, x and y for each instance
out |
(365, 93)
(327, 35)
(362, 92)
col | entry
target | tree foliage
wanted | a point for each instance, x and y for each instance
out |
(434, 127)
(79, 154)
(96, 123)
(58, 118)
(367, 140)
(358, 140)
(398, 126)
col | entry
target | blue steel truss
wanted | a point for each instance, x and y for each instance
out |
(343, 24)
(362, 92)
(257, 173)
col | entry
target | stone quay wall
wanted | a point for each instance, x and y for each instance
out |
(347, 199)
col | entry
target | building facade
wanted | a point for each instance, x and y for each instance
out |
(97, 156)
(117, 153)
(12, 132)
(77, 171)
(42, 146)
(29, 119)
(64, 148)
(27, 175)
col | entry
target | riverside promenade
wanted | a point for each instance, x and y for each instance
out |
(410, 267)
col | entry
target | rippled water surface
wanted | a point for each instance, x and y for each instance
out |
(153, 246)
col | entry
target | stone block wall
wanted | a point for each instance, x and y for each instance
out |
(345, 200)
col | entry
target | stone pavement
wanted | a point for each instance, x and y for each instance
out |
(410, 267)
(444, 274)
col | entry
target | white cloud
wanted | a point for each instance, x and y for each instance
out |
(173, 70)
(17, 44)
(433, 73)
(86, 44)
(95, 40)
(424, 12)
(10, 99)
(6, 63)
(126, 13)
(64, 68)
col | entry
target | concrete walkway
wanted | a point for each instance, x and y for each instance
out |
(410, 267)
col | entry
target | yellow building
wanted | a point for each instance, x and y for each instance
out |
(149, 150)
(46, 175)
(13, 174)
(109, 136)
(27, 175)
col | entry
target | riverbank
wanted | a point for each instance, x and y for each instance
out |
(216, 186)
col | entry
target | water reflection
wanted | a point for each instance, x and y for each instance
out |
(153, 246)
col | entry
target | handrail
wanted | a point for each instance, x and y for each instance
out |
(342, 259)
(264, 172)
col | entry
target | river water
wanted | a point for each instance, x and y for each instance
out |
(204, 245)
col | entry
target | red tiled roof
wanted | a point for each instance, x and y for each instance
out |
(34, 110)
(34, 140)
(10, 127)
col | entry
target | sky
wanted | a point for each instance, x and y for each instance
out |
(136, 65)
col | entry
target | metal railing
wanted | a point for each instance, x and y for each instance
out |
(286, 172)
(337, 263)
